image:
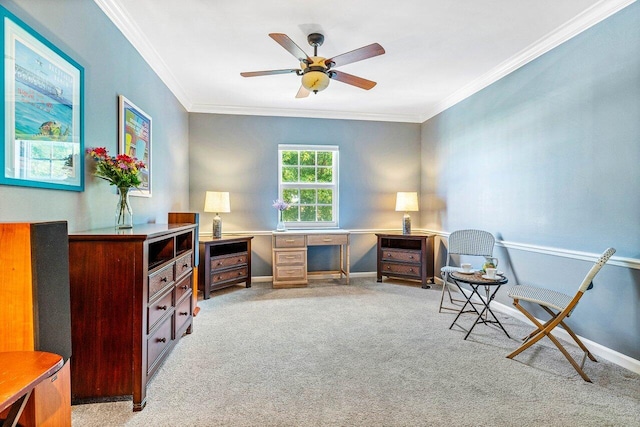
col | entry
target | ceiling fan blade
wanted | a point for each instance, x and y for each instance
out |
(284, 41)
(365, 52)
(352, 80)
(267, 73)
(303, 92)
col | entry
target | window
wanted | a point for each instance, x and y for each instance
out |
(308, 181)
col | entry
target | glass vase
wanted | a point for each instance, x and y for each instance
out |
(280, 226)
(124, 215)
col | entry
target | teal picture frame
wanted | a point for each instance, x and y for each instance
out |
(42, 111)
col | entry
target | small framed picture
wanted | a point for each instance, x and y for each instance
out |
(134, 139)
(42, 111)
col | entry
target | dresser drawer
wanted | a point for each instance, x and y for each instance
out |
(183, 287)
(326, 239)
(160, 280)
(183, 265)
(221, 262)
(183, 314)
(292, 241)
(223, 276)
(158, 342)
(289, 257)
(156, 310)
(293, 272)
(404, 269)
(401, 255)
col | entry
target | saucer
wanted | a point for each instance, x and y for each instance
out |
(484, 276)
(467, 272)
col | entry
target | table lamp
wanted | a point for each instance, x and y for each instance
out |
(406, 202)
(217, 201)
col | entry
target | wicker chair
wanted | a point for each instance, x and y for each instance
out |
(464, 242)
(564, 305)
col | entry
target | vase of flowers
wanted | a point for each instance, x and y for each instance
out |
(123, 172)
(280, 205)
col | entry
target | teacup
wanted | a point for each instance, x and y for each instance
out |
(491, 272)
(465, 267)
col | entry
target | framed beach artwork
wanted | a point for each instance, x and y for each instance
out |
(42, 111)
(134, 139)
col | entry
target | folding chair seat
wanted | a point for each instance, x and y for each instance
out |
(564, 305)
(464, 242)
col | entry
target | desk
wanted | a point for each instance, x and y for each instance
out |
(289, 250)
(20, 373)
(476, 280)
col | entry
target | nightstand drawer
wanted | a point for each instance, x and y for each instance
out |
(221, 262)
(218, 277)
(292, 241)
(401, 255)
(326, 239)
(289, 257)
(404, 269)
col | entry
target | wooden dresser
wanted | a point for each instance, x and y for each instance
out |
(131, 301)
(224, 261)
(406, 256)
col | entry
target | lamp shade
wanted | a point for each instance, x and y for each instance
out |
(217, 201)
(407, 201)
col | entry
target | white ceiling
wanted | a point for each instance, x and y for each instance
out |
(438, 52)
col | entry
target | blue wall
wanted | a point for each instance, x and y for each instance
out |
(548, 157)
(112, 66)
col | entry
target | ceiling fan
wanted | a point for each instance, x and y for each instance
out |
(317, 71)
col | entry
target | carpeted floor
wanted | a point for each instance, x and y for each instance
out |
(367, 354)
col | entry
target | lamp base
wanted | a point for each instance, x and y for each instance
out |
(406, 224)
(217, 226)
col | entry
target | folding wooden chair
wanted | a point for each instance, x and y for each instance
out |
(464, 242)
(551, 300)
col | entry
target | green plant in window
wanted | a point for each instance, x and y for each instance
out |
(325, 175)
(307, 174)
(325, 197)
(291, 195)
(325, 213)
(291, 214)
(307, 213)
(325, 158)
(308, 197)
(290, 158)
(289, 174)
(308, 158)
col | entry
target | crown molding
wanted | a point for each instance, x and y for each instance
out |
(315, 114)
(587, 19)
(136, 37)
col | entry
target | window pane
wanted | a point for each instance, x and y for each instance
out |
(291, 195)
(289, 174)
(325, 158)
(307, 213)
(308, 158)
(307, 174)
(325, 197)
(324, 213)
(290, 158)
(307, 197)
(290, 214)
(325, 175)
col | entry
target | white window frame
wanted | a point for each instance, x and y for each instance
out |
(317, 185)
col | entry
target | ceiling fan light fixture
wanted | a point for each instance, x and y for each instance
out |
(315, 81)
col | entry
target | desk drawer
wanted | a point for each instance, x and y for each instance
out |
(401, 255)
(291, 241)
(326, 239)
(289, 257)
(404, 269)
(291, 272)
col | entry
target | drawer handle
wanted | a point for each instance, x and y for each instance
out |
(290, 257)
(185, 287)
(389, 256)
(327, 240)
(162, 307)
(184, 313)
(161, 340)
(410, 256)
(219, 262)
(240, 260)
(164, 279)
(289, 240)
(185, 265)
(240, 273)
(388, 267)
(411, 270)
(219, 277)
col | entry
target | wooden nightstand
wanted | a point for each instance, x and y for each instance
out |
(224, 262)
(406, 256)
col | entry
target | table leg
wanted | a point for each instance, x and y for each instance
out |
(468, 301)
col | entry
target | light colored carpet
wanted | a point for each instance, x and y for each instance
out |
(367, 354)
